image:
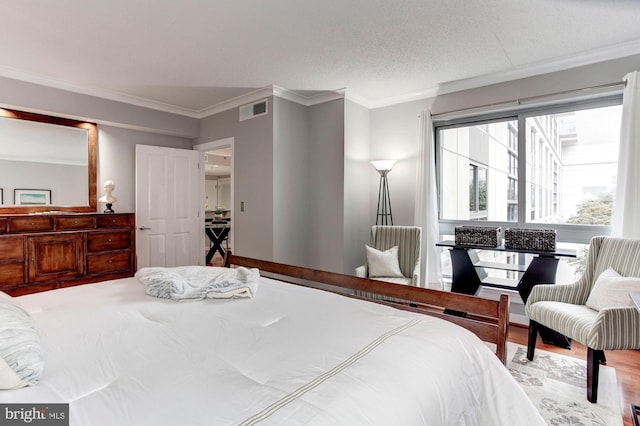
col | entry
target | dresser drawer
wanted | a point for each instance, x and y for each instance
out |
(103, 241)
(12, 249)
(108, 263)
(27, 224)
(56, 257)
(11, 275)
(113, 220)
(3, 225)
(65, 223)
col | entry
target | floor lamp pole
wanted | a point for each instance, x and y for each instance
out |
(384, 215)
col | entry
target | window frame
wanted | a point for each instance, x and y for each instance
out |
(569, 233)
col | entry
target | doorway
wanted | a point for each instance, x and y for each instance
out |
(218, 198)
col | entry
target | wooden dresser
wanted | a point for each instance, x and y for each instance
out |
(41, 252)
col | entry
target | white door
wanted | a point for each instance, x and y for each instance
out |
(169, 206)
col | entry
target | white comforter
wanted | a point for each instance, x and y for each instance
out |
(290, 355)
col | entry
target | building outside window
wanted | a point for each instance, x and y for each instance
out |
(477, 192)
(545, 168)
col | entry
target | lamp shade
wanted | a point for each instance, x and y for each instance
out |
(383, 165)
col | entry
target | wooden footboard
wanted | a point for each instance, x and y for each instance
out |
(488, 319)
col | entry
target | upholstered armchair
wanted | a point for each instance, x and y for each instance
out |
(383, 239)
(597, 310)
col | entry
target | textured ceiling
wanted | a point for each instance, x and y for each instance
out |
(190, 55)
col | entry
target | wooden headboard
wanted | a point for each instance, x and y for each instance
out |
(488, 319)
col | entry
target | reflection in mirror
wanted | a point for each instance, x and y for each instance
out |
(46, 155)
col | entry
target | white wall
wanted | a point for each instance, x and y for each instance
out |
(217, 191)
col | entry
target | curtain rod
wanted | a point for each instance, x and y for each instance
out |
(520, 101)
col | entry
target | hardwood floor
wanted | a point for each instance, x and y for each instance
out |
(626, 363)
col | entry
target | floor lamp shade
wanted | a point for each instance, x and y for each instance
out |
(384, 215)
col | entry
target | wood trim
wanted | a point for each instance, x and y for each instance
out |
(92, 177)
(488, 319)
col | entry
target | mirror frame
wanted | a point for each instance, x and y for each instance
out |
(92, 162)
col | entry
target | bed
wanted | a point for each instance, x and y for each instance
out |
(289, 355)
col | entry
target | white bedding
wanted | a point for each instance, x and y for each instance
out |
(290, 355)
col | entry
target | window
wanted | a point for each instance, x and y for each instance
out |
(475, 171)
(579, 170)
(477, 192)
(554, 166)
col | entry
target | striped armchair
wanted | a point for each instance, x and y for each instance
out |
(563, 307)
(408, 240)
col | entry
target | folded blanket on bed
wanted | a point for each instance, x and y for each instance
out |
(199, 282)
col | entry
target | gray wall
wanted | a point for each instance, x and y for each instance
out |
(395, 130)
(326, 186)
(303, 174)
(289, 168)
(291, 198)
(36, 98)
(69, 188)
(252, 179)
(120, 127)
(358, 210)
(117, 160)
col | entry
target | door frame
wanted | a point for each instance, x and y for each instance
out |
(216, 144)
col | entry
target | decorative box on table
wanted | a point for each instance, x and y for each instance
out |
(530, 239)
(486, 236)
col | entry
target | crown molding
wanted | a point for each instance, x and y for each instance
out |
(29, 77)
(320, 98)
(249, 97)
(272, 90)
(360, 100)
(530, 70)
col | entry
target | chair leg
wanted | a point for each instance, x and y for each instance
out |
(593, 368)
(533, 335)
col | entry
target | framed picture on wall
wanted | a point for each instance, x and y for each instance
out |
(32, 197)
(1, 197)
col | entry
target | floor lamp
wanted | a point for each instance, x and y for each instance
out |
(383, 214)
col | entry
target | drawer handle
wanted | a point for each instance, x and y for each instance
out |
(109, 239)
(110, 261)
(33, 224)
(114, 221)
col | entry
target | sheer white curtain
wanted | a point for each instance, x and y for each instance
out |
(426, 212)
(626, 209)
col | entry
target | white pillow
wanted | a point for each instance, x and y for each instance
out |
(21, 360)
(611, 290)
(383, 263)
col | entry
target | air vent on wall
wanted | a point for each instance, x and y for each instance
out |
(253, 110)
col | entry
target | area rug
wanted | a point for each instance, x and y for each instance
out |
(557, 385)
